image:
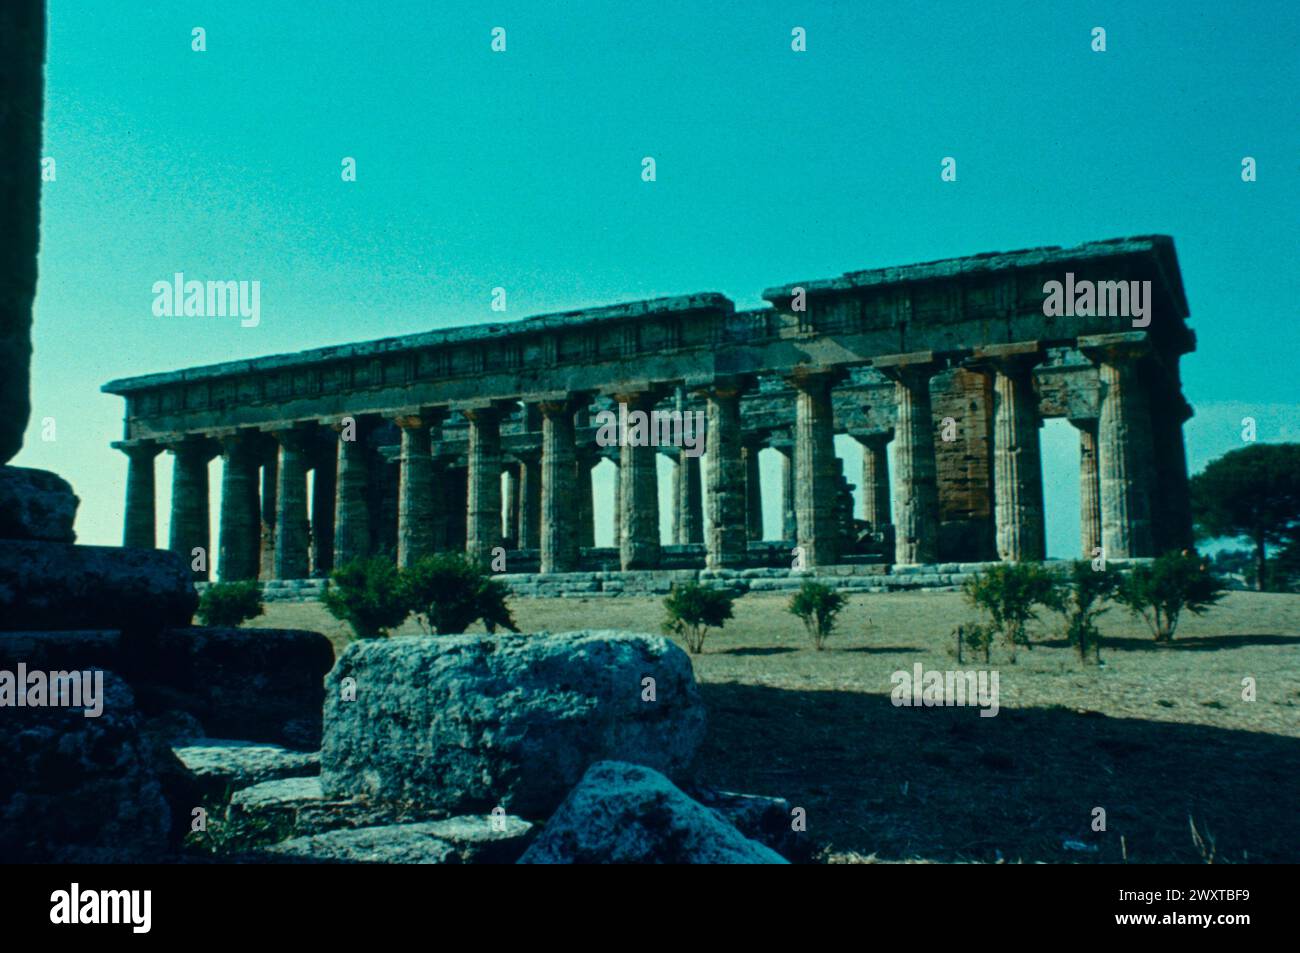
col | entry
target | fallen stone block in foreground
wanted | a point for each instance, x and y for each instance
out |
(456, 840)
(80, 790)
(36, 504)
(220, 765)
(46, 585)
(628, 814)
(467, 723)
(298, 806)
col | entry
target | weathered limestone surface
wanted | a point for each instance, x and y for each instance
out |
(465, 723)
(63, 586)
(559, 472)
(1089, 488)
(352, 514)
(638, 493)
(36, 504)
(483, 530)
(1017, 460)
(629, 814)
(189, 515)
(456, 840)
(77, 789)
(221, 764)
(875, 479)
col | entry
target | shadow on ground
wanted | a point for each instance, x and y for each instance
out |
(945, 784)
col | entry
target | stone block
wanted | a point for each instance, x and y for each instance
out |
(36, 505)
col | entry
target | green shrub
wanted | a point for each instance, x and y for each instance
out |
(229, 603)
(693, 609)
(450, 592)
(1008, 593)
(1160, 592)
(978, 636)
(817, 605)
(368, 595)
(1083, 594)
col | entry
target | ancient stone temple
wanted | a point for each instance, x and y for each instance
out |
(956, 362)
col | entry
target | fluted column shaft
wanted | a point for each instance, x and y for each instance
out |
(1089, 489)
(690, 502)
(586, 504)
(753, 490)
(1018, 518)
(323, 496)
(726, 541)
(1124, 461)
(352, 502)
(270, 477)
(875, 480)
(415, 527)
(189, 514)
(561, 472)
(916, 489)
(291, 550)
(530, 499)
(483, 508)
(639, 484)
(141, 521)
(240, 530)
(817, 472)
(789, 524)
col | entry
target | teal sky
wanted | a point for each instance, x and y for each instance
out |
(522, 170)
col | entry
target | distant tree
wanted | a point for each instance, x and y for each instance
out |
(1252, 492)
(368, 595)
(817, 605)
(693, 609)
(1161, 591)
(450, 592)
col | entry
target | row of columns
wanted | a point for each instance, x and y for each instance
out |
(551, 490)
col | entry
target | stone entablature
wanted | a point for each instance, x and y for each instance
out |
(888, 355)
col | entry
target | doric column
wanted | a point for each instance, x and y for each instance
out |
(789, 525)
(415, 529)
(510, 505)
(639, 485)
(291, 550)
(483, 508)
(560, 472)
(1089, 490)
(690, 502)
(530, 499)
(749, 451)
(140, 528)
(583, 463)
(1124, 460)
(352, 498)
(190, 521)
(875, 478)
(817, 472)
(916, 490)
(1018, 518)
(675, 499)
(270, 477)
(240, 530)
(323, 495)
(617, 505)
(725, 541)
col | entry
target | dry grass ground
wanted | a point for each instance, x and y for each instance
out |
(1154, 736)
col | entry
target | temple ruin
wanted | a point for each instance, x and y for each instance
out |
(954, 361)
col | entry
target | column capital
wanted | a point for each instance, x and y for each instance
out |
(144, 449)
(911, 369)
(806, 377)
(558, 404)
(484, 411)
(1115, 349)
(1009, 359)
(722, 386)
(198, 445)
(419, 418)
(294, 435)
(641, 394)
(874, 438)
